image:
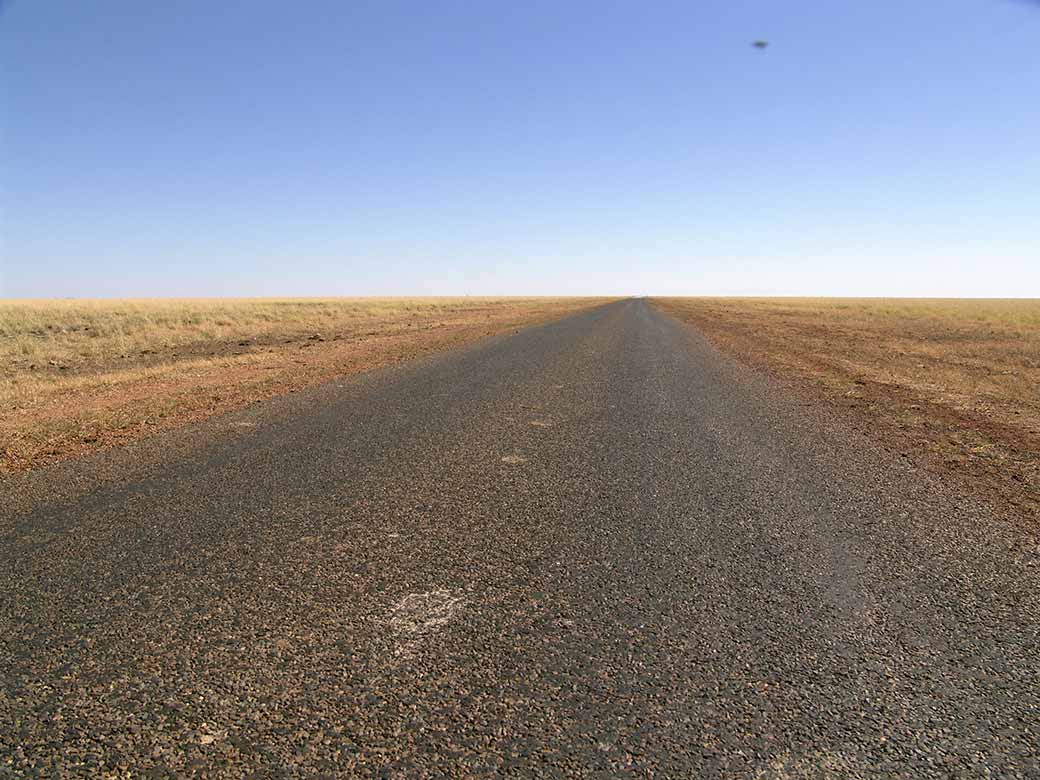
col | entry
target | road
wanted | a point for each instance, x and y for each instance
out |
(594, 548)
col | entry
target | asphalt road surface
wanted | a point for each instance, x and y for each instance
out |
(594, 548)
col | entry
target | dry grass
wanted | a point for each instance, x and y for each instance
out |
(76, 376)
(951, 384)
(80, 334)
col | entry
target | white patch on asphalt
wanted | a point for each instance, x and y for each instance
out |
(541, 423)
(210, 735)
(819, 765)
(418, 615)
(514, 459)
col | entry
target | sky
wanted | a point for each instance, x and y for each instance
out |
(197, 148)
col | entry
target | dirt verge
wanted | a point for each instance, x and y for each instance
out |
(81, 378)
(950, 385)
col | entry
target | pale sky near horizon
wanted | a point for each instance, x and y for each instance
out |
(370, 148)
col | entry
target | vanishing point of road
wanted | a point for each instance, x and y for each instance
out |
(593, 548)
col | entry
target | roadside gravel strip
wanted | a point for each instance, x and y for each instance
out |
(595, 548)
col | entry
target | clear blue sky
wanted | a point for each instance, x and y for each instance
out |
(195, 147)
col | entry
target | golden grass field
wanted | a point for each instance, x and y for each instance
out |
(951, 384)
(81, 375)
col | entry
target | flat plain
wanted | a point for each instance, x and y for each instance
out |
(596, 547)
(81, 375)
(949, 383)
